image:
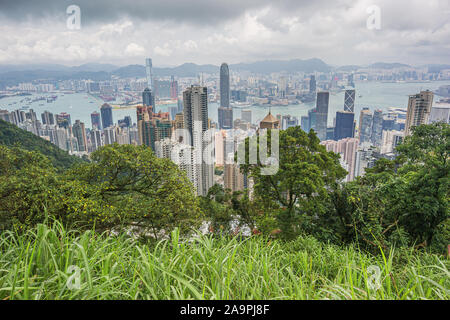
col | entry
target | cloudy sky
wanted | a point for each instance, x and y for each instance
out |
(213, 31)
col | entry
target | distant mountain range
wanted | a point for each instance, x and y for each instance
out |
(13, 74)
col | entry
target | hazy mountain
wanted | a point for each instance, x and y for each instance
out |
(131, 71)
(187, 70)
(349, 68)
(384, 65)
(95, 67)
(14, 77)
(193, 70)
(32, 67)
(296, 65)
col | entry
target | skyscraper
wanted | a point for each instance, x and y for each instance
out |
(225, 113)
(322, 114)
(173, 88)
(96, 139)
(419, 108)
(304, 123)
(195, 101)
(312, 116)
(147, 97)
(79, 132)
(350, 81)
(63, 120)
(148, 71)
(349, 100)
(344, 125)
(224, 86)
(225, 116)
(107, 117)
(365, 125)
(377, 127)
(96, 120)
(48, 118)
(312, 84)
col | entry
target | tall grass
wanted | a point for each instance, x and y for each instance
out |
(34, 266)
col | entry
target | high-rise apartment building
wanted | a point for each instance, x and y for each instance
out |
(48, 118)
(96, 120)
(419, 109)
(195, 111)
(152, 126)
(390, 140)
(5, 116)
(63, 120)
(95, 139)
(440, 113)
(347, 148)
(79, 132)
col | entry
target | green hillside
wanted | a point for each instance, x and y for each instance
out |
(11, 135)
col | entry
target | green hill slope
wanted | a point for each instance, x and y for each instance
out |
(11, 136)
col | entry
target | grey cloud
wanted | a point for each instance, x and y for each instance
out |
(197, 12)
(101, 11)
(221, 30)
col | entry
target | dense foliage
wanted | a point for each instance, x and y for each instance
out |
(397, 203)
(12, 136)
(122, 188)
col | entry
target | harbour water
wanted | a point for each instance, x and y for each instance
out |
(375, 95)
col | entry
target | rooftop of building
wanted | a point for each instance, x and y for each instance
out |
(270, 118)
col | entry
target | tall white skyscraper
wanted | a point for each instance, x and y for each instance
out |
(195, 101)
(148, 71)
